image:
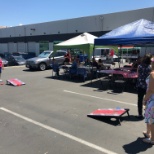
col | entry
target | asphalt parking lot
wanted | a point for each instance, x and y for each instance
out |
(49, 116)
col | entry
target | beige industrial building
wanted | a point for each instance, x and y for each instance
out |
(42, 36)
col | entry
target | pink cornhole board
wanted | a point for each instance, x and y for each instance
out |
(15, 82)
(111, 113)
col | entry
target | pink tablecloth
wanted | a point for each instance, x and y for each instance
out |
(126, 73)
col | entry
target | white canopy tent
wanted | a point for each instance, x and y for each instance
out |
(84, 38)
(84, 42)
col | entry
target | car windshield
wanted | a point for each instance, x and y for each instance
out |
(44, 55)
(19, 58)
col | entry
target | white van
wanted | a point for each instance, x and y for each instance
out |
(102, 53)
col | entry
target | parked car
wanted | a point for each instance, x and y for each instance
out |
(28, 55)
(7, 56)
(19, 60)
(44, 60)
(16, 53)
(5, 62)
(59, 56)
(16, 60)
(25, 55)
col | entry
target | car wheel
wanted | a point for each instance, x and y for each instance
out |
(42, 66)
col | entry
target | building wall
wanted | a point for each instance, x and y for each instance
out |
(64, 29)
(145, 50)
(12, 47)
(3, 47)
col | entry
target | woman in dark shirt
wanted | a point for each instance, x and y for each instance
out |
(143, 70)
(94, 63)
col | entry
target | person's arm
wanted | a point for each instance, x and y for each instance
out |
(150, 90)
(2, 66)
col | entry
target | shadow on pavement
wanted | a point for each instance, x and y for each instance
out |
(136, 146)
(95, 83)
(131, 118)
(63, 78)
(115, 121)
(108, 120)
(104, 87)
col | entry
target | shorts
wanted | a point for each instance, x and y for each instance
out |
(149, 112)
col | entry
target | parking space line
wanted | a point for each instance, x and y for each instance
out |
(81, 141)
(100, 98)
(18, 66)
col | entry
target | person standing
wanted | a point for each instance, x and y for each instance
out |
(95, 63)
(1, 67)
(101, 65)
(74, 67)
(148, 101)
(67, 57)
(111, 55)
(143, 71)
(136, 63)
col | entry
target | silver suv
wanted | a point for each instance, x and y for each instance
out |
(44, 60)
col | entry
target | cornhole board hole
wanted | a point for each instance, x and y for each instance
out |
(15, 82)
(110, 113)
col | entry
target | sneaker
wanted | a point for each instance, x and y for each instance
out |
(148, 140)
(146, 135)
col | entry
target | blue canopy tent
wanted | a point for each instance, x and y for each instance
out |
(138, 33)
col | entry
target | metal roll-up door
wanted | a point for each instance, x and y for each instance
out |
(21, 47)
(3, 47)
(31, 47)
(12, 47)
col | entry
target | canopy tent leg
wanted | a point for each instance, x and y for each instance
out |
(120, 55)
(92, 65)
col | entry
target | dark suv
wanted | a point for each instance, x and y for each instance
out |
(44, 60)
(25, 55)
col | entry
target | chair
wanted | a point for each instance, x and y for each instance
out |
(65, 70)
(72, 72)
(82, 72)
(55, 68)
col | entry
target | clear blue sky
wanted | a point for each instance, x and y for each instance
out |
(16, 12)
